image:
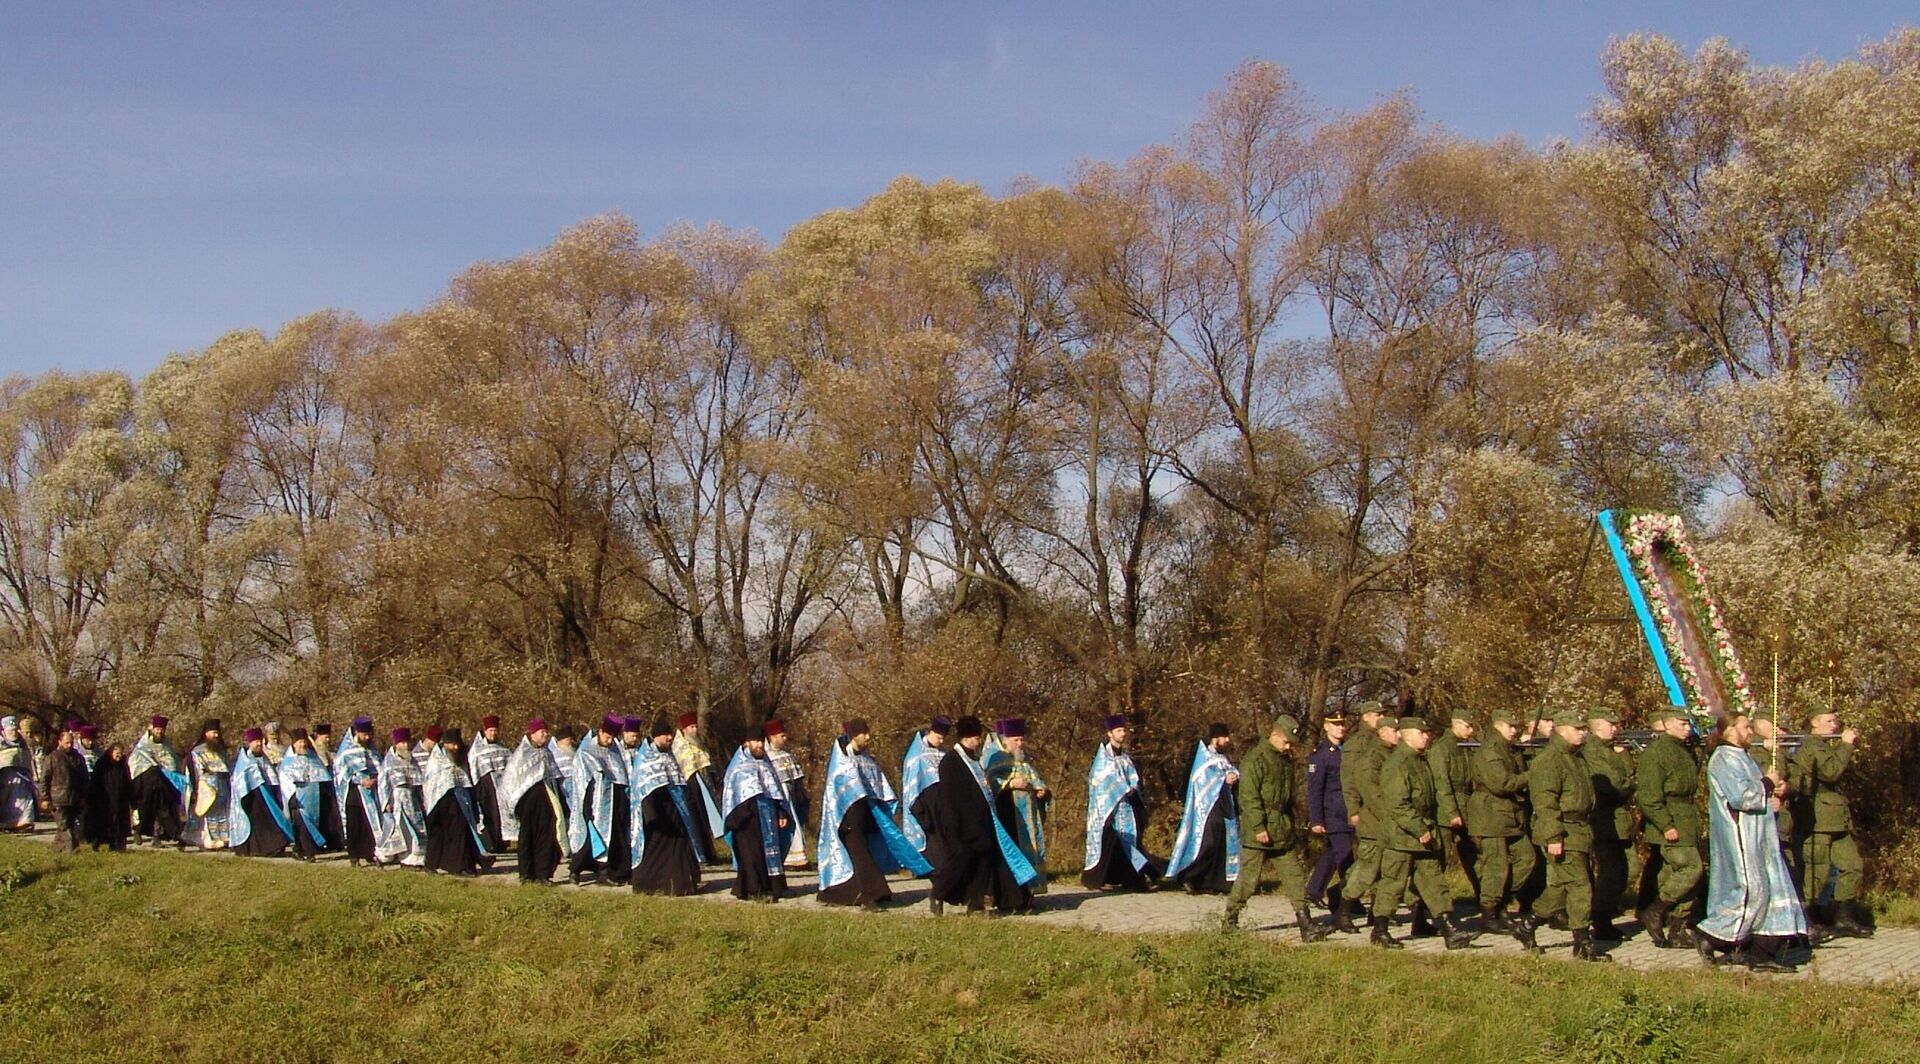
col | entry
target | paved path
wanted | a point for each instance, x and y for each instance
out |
(1892, 955)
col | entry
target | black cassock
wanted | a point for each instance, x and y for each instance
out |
(669, 864)
(450, 845)
(359, 829)
(973, 866)
(617, 865)
(109, 817)
(304, 844)
(486, 808)
(753, 878)
(329, 816)
(1208, 872)
(158, 805)
(264, 837)
(1115, 868)
(868, 883)
(926, 810)
(539, 847)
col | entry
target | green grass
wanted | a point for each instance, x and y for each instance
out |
(152, 956)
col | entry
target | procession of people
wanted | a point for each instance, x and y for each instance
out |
(1535, 811)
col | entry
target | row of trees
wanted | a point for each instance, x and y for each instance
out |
(1302, 406)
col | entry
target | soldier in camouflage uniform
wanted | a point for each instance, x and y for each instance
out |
(1497, 820)
(1410, 838)
(1828, 849)
(1452, 776)
(1665, 784)
(1561, 787)
(1610, 764)
(1360, 760)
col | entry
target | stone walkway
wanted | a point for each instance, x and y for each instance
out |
(1892, 955)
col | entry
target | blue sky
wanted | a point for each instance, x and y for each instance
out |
(171, 171)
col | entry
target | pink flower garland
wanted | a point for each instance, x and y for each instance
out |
(1643, 535)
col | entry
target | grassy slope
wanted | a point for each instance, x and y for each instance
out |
(147, 956)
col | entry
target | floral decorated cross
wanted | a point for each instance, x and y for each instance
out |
(1689, 639)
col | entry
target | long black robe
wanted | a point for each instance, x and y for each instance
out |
(486, 808)
(450, 845)
(697, 808)
(264, 839)
(1115, 869)
(669, 864)
(304, 844)
(617, 865)
(867, 884)
(157, 804)
(1208, 872)
(539, 848)
(359, 829)
(330, 824)
(109, 817)
(753, 878)
(974, 867)
(926, 810)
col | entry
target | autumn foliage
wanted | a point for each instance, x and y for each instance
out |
(1297, 408)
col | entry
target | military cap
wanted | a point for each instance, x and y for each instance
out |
(1570, 717)
(1413, 724)
(1603, 713)
(1761, 713)
(1334, 716)
(1371, 705)
(1662, 714)
(1505, 716)
(1287, 726)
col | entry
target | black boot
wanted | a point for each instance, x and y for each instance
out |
(1522, 931)
(1381, 936)
(1343, 916)
(1763, 955)
(1494, 918)
(1311, 930)
(1423, 927)
(1654, 920)
(1708, 952)
(1604, 931)
(1846, 924)
(1584, 949)
(1456, 936)
(1677, 931)
(1557, 920)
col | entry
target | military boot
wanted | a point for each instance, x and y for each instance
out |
(1494, 918)
(1604, 931)
(1456, 937)
(1381, 936)
(1846, 924)
(1584, 948)
(1310, 929)
(1654, 919)
(1677, 931)
(1423, 926)
(1343, 916)
(1523, 934)
(1230, 920)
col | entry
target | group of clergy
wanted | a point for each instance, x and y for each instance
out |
(620, 804)
(1392, 804)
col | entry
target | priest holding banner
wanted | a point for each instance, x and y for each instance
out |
(1752, 908)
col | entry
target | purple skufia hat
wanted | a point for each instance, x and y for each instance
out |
(1116, 720)
(940, 726)
(1011, 727)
